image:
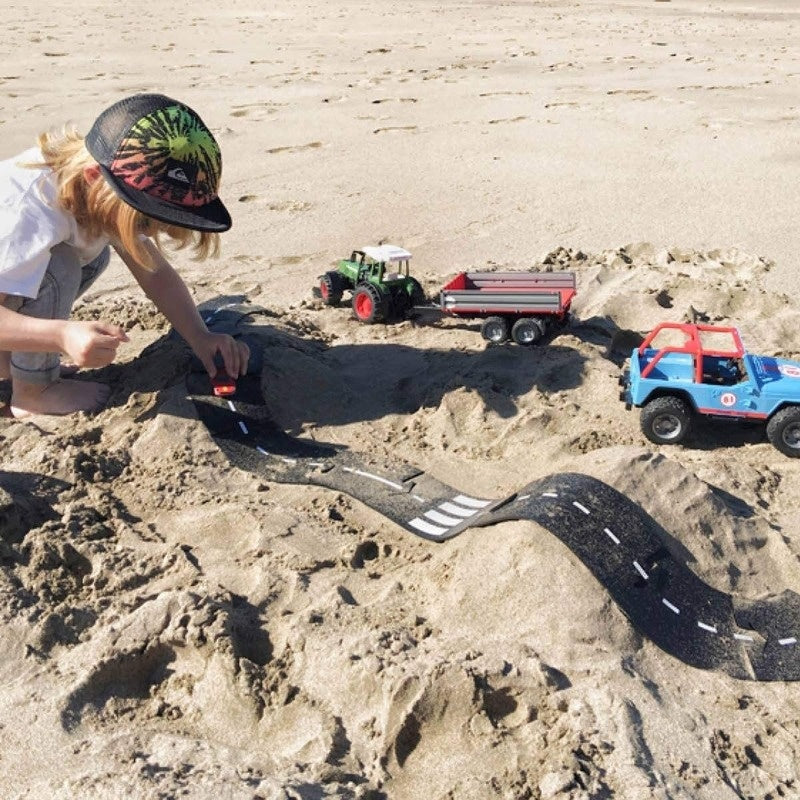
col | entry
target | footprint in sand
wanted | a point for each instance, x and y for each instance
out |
(395, 100)
(509, 119)
(291, 206)
(636, 94)
(294, 148)
(503, 94)
(125, 675)
(396, 128)
(256, 111)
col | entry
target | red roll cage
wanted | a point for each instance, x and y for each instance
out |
(692, 345)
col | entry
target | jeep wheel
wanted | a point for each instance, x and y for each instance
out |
(369, 305)
(494, 329)
(331, 288)
(666, 420)
(783, 431)
(527, 331)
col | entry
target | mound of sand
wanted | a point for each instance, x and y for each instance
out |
(175, 627)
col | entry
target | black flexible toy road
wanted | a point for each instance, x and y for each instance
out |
(621, 545)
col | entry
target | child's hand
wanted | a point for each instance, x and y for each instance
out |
(92, 344)
(235, 354)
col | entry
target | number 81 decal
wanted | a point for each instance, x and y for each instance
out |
(789, 370)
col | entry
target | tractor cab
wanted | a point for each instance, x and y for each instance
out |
(385, 263)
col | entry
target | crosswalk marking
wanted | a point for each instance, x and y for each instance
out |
(442, 519)
(426, 527)
(471, 501)
(458, 511)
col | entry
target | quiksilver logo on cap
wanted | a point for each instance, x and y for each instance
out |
(177, 174)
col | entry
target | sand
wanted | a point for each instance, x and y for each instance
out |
(171, 626)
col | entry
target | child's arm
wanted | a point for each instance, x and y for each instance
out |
(88, 344)
(169, 293)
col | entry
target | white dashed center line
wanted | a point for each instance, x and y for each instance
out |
(611, 535)
(674, 609)
(709, 628)
(373, 477)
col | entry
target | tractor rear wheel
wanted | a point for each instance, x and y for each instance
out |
(666, 420)
(783, 431)
(494, 329)
(331, 287)
(527, 331)
(369, 303)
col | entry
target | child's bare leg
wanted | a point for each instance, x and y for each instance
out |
(58, 397)
(36, 383)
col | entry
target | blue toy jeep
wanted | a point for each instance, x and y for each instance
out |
(704, 369)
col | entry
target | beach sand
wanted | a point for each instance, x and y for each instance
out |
(171, 626)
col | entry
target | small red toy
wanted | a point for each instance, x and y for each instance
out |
(223, 384)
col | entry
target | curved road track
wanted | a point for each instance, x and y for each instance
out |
(621, 545)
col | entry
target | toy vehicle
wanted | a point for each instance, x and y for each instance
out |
(519, 305)
(710, 373)
(223, 384)
(380, 282)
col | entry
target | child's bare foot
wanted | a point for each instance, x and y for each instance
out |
(59, 397)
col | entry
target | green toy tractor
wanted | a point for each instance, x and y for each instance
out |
(380, 283)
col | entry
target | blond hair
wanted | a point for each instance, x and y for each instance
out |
(101, 212)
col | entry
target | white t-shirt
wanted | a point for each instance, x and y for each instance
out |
(31, 224)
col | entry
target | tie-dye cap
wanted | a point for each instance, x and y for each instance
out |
(160, 158)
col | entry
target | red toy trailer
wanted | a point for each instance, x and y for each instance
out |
(520, 304)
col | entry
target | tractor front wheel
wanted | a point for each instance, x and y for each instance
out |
(369, 304)
(416, 292)
(783, 431)
(494, 329)
(331, 287)
(666, 420)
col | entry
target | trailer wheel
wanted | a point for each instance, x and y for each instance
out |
(666, 420)
(527, 331)
(331, 288)
(783, 431)
(369, 304)
(494, 329)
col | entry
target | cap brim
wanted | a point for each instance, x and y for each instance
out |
(212, 217)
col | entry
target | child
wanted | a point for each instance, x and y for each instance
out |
(148, 168)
